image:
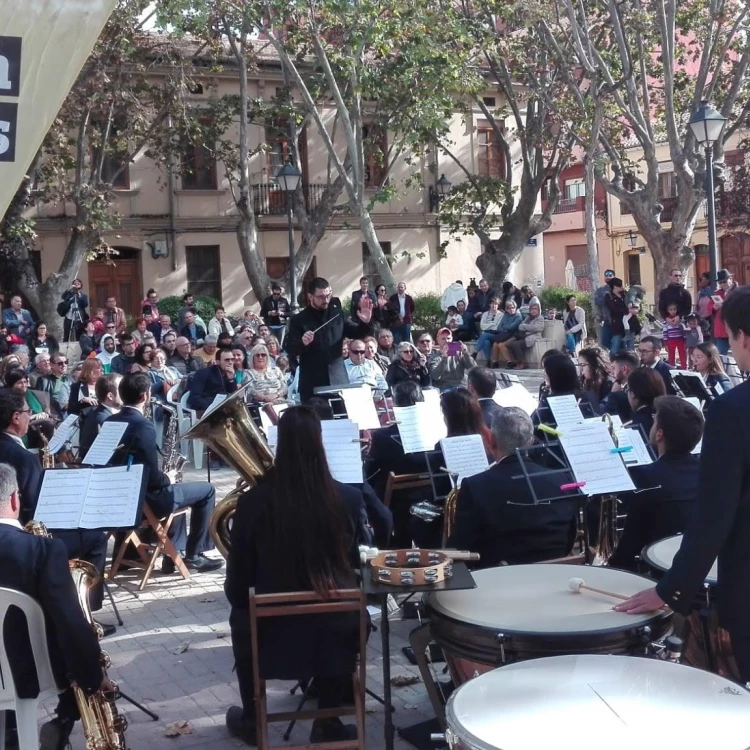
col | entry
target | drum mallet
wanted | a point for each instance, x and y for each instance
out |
(576, 584)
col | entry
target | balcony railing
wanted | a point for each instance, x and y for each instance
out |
(733, 204)
(270, 200)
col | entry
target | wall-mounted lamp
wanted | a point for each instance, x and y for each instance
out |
(438, 192)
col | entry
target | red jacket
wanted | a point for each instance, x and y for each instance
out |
(720, 329)
(408, 308)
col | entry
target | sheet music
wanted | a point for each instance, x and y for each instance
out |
(218, 398)
(112, 498)
(695, 401)
(62, 433)
(516, 395)
(565, 410)
(432, 396)
(464, 455)
(360, 407)
(272, 437)
(90, 498)
(343, 450)
(420, 426)
(107, 441)
(697, 450)
(588, 448)
(639, 455)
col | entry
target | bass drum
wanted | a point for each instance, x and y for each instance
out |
(523, 612)
(618, 702)
(707, 645)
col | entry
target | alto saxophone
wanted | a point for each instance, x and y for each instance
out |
(173, 459)
(103, 727)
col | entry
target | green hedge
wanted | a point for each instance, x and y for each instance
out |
(554, 296)
(428, 315)
(206, 307)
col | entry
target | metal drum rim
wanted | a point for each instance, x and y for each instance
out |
(654, 566)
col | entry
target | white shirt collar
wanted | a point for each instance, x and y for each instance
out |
(16, 439)
(653, 367)
(14, 522)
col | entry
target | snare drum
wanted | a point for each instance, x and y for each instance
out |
(526, 611)
(618, 702)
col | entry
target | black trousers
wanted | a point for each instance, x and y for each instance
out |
(200, 497)
(330, 690)
(741, 649)
(90, 546)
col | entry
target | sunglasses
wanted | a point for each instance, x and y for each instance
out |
(356, 351)
(60, 362)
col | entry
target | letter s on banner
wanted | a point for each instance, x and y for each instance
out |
(8, 121)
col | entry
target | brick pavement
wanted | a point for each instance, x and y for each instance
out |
(173, 654)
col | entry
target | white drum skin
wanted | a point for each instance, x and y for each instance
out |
(659, 557)
(616, 702)
(528, 611)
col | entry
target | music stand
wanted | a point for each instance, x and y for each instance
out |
(692, 385)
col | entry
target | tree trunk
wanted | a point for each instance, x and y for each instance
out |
(376, 251)
(499, 257)
(590, 217)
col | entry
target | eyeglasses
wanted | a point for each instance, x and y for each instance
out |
(644, 351)
(424, 341)
(261, 355)
(356, 351)
(60, 362)
(24, 411)
(110, 325)
(322, 297)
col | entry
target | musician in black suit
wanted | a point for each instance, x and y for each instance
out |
(83, 544)
(644, 387)
(649, 350)
(482, 384)
(212, 381)
(721, 524)
(387, 455)
(38, 566)
(667, 489)
(616, 403)
(315, 335)
(162, 494)
(108, 400)
(297, 530)
(495, 511)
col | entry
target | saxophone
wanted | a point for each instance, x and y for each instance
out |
(103, 726)
(173, 459)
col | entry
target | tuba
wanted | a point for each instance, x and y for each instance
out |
(230, 432)
(103, 726)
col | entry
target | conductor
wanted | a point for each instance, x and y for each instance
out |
(721, 523)
(316, 334)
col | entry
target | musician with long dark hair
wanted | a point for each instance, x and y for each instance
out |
(297, 530)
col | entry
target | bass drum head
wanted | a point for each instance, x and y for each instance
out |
(659, 557)
(618, 702)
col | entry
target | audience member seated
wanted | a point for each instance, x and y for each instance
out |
(667, 489)
(617, 404)
(125, 361)
(409, 365)
(108, 403)
(707, 361)
(41, 367)
(41, 425)
(649, 350)
(386, 347)
(371, 353)
(220, 324)
(562, 379)
(593, 363)
(183, 360)
(489, 325)
(41, 342)
(192, 330)
(82, 396)
(361, 370)
(644, 387)
(527, 334)
(207, 352)
(267, 382)
(212, 381)
(495, 511)
(108, 352)
(57, 385)
(482, 385)
(449, 370)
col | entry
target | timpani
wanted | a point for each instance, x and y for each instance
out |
(616, 702)
(521, 612)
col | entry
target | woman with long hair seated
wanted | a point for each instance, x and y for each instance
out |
(561, 379)
(707, 361)
(595, 372)
(297, 530)
(644, 386)
(463, 415)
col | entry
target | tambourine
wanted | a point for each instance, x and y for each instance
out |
(411, 567)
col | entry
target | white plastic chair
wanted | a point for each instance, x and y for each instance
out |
(197, 446)
(26, 709)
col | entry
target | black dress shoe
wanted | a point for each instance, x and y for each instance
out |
(107, 630)
(54, 735)
(241, 726)
(167, 566)
(332, 730)
(202, 564)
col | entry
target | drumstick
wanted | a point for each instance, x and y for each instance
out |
(576, 584)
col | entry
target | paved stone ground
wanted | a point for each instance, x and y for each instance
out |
(173, 654)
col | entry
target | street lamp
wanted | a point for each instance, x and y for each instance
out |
(632, 239)
(707, 125)
(440, 191)
(288, 178)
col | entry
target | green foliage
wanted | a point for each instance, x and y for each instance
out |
(204, 305)
(554, 296)
(428, 315)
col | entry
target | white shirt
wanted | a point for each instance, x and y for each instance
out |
(14, 522)
(367, 372)
(402, 305)
(16, 438)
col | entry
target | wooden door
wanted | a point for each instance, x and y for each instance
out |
(735, 256)
(120, 278)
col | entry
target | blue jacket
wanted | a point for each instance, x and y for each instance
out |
(510, 323)
(11, 322)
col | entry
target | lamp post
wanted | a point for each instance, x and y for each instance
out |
(437, 193)
(632, 239)
(707, 125)
(288, 178)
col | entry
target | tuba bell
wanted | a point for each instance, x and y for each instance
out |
(230, 432)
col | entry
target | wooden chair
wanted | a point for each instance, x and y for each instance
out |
(309, 603)
(398, 482)
(150, 552)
